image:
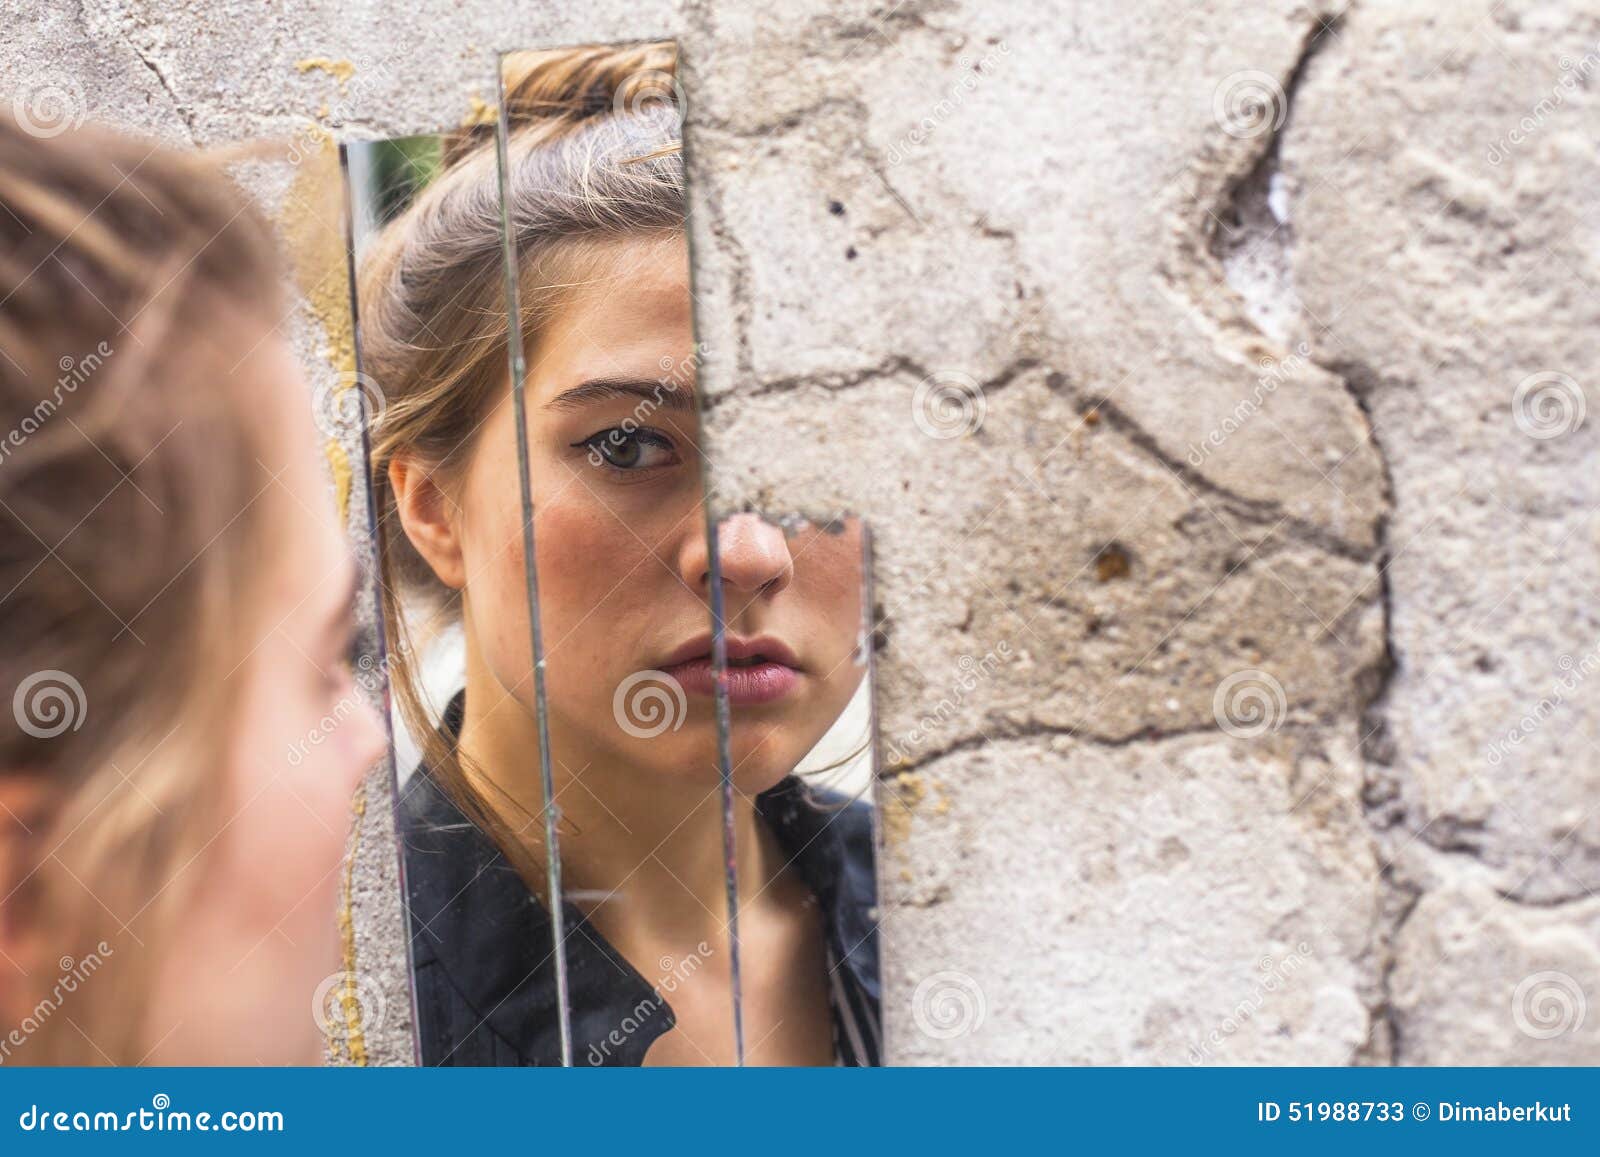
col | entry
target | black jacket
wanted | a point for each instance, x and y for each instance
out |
(483, 947)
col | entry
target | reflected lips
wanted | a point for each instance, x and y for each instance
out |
(760, 670)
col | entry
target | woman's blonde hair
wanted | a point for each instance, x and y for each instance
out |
(133, 280)
(593, 158)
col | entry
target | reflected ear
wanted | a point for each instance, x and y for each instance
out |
(428, 516)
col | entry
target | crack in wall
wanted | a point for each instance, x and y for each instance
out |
(1248, 199)
(1220, 185)
(1385, 1041)
(1253, 510)
(185, 113)
(895, 365)
(1002, 730)
(1250, 239)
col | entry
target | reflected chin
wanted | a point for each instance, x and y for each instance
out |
(761, 757)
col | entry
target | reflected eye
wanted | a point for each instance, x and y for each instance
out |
(630, 450)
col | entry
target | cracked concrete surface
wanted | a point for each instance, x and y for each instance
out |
(1178, 354)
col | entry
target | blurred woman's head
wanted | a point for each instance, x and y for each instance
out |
(175, 596)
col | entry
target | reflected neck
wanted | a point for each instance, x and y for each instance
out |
(635, 849)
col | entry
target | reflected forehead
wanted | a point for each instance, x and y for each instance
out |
(625, 332)
(624, 293)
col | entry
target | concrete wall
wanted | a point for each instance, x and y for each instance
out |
(1213, 375)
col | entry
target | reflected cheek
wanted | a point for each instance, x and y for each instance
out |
(593, 573)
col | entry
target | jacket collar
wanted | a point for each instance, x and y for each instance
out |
(473, 916)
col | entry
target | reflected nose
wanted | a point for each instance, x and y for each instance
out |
(753, 555)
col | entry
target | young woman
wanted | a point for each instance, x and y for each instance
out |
(175, 599)
(596, 199)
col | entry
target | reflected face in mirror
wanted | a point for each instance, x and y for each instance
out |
(624, 571)
(792, 605)
(655, 849)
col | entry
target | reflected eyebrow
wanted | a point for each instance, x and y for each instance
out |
(667, 395)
